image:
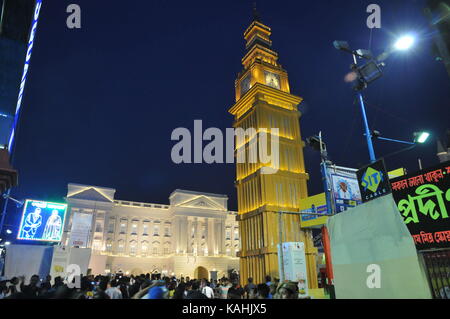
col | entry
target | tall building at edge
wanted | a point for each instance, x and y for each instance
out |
(263, 102)
(195, 235)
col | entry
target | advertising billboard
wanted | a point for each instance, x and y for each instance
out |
(42, 221)
(316, 204)
(344, 184)
(373, 181)
(423, 200)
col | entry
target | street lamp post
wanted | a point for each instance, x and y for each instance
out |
(366, 122)
(368, 73)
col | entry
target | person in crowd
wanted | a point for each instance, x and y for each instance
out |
(187, 288)
(58, 282)
(207, 290)
(250, 289)
(136, 285)
(13, 287)
(46, 284)
(224, 287)
(268, 280)
(32, 289)
(113, 291)
(172, 286)
(262, 291)
(235, 291)
(287, 290)
(213, 284)
(179, 291)
(123, 286)
(3, 289)
(194, 292)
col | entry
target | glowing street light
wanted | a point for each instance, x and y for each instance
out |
(404, 43)
(8, 231)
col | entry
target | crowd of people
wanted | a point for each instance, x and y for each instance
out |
(143, 286)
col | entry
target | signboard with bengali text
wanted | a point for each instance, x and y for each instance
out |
(423, 199)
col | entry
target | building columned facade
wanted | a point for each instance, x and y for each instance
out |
(195, 235)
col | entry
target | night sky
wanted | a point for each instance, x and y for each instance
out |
(101, 102)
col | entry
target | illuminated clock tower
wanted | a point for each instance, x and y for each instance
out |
(263, 102)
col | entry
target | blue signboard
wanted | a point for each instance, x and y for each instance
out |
(42, 221)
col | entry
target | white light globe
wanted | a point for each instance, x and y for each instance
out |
(404, 43)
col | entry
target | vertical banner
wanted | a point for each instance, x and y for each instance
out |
(294, 262)
(81, 228)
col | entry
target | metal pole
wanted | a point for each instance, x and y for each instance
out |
(366, 124)
(280, 255)
(5, 205)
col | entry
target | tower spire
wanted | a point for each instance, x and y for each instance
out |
(256, 16)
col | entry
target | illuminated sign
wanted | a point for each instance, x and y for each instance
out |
(423, 200)
(373, 181)
(42, 221)
(37, 9)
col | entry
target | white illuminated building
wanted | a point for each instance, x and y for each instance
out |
(195, 235)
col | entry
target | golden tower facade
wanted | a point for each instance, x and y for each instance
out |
(264, 102)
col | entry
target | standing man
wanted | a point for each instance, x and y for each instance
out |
(32, 223)
(249, 289)
(207, 290)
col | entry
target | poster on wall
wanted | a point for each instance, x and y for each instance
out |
(42, 221)
(294, 262)
(81, 228)
(423, 200)
(373, 181)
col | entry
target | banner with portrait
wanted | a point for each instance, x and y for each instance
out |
(344, 185)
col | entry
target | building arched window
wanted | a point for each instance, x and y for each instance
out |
(109, 245)
(166, 248)
(155, 248)
(134, 226)
(123, 225)
(133, 248)
(120, 246)
(144, 248)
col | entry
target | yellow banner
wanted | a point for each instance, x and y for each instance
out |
(313, 204)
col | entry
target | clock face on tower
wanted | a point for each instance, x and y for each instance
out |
(272, 79)
(245, 84)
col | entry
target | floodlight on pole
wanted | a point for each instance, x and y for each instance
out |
(421, 137)
(404, 43)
